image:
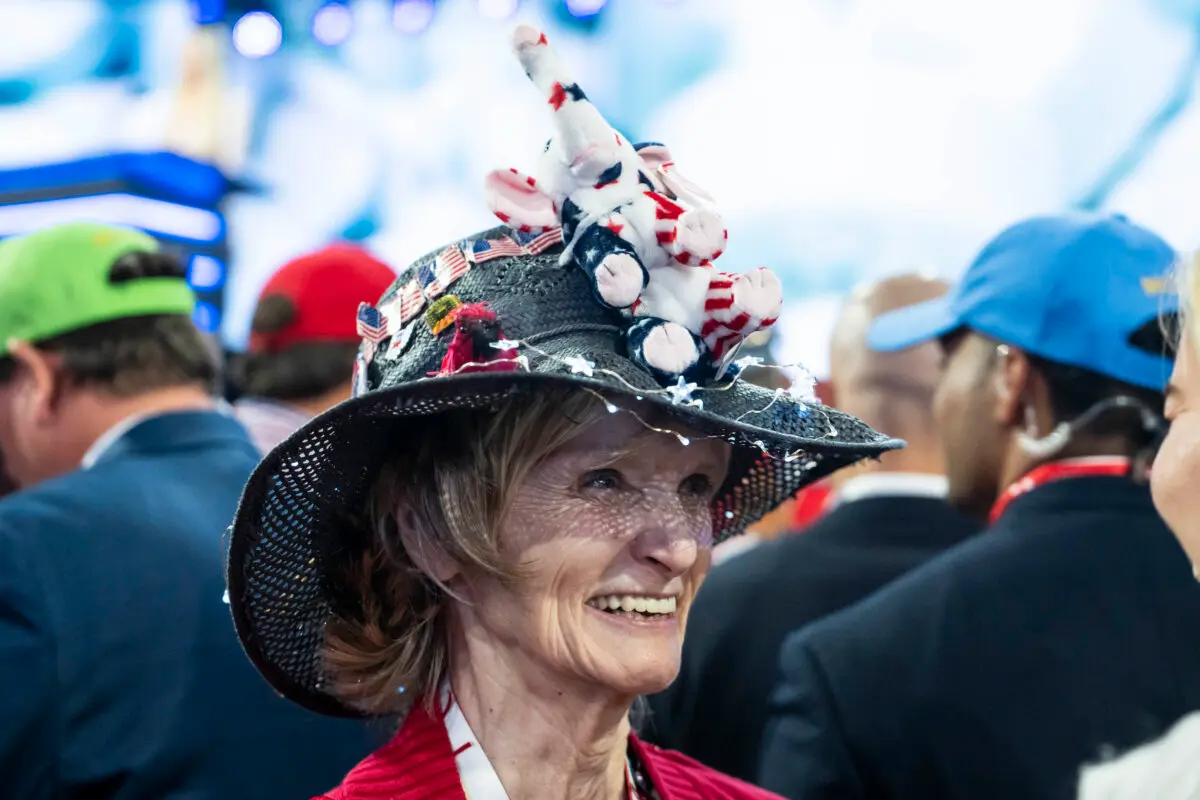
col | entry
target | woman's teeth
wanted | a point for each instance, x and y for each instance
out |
(625, 602)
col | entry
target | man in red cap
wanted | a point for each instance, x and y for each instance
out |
(303, 340)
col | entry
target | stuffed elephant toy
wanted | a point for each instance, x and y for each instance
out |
(645, 236)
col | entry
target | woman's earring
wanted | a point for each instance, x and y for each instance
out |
(1196, 571)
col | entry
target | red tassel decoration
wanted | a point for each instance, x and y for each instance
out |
(476, 329)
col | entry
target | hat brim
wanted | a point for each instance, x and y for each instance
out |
(299, 499)
(913, 325)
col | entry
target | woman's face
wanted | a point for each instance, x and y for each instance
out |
(1173, 478)
(613, 533)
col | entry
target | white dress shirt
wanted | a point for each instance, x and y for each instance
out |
(479, 778)
(110, 437)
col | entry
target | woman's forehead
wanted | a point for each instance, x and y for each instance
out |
(623, 432)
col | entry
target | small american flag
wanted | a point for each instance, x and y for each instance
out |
(486, 249)
(448, 266)
(533, 243)
(410, 300)
(372, 324)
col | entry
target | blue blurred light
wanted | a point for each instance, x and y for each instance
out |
(206, 316)
(149, 214)
(257, 34)
(205, 273)
(585, 8)
(333, 23)
(208, 12)
(412, 16)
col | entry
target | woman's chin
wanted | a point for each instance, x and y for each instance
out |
(636, 668)
(640, 680)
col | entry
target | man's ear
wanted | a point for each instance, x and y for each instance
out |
(425, 555)
(44, 382)
(1012, 382)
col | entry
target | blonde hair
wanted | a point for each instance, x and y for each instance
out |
(457, 481)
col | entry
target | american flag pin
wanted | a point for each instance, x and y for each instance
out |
(372, 324)
(400, 340)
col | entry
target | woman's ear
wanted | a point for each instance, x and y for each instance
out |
(44, 383)
(425, 555)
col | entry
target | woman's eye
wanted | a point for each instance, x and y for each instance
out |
(697, 485)
(601, 479)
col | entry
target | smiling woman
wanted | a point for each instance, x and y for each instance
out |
(497, 541)
(503, 552)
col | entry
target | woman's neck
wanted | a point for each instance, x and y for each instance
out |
(545, 739)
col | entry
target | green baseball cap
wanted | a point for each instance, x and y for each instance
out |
(56, 280)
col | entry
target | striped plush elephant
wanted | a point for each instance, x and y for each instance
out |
(644, 234)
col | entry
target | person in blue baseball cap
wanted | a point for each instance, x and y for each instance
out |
(1067, 630)
(1043, 350)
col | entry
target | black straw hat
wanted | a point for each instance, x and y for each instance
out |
(514, 324)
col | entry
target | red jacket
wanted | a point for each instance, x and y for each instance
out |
(419, 764)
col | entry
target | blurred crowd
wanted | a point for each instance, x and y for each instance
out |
(1006, 607)
(994, 611)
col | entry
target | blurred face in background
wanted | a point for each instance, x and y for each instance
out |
(973, 435)
(1177, 466)
(38, 440)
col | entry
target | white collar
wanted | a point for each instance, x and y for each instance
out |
(892, 484)
(110, 437)
(478, 777)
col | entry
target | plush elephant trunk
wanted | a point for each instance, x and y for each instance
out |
(588, 141)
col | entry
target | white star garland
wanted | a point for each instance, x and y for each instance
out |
(681, 394)
(580, 366)
(748, 361)
(801, 386)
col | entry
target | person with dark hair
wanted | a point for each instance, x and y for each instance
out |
(124, 678)
(1065, 632)
(887, 517)
(303, 339)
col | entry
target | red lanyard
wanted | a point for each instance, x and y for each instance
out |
(1057, 471)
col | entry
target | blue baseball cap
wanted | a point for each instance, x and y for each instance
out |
(1072, 289)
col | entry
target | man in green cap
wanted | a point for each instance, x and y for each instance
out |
(124, 676)
(95, 334)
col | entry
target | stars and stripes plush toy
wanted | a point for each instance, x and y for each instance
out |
(644, 235)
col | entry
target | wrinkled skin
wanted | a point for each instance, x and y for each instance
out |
(1173, 478)
(621, 510)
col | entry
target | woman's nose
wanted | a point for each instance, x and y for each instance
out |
(670, 549)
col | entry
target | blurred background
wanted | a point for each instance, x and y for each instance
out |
(843, 139)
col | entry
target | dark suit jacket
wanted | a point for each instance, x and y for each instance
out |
(1068, 631)
(716, 709)
(122, 675)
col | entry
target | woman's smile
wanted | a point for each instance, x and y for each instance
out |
(637, 610)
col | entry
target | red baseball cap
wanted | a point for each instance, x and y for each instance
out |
(325, 287)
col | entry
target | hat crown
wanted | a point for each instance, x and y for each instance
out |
(532, 296)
